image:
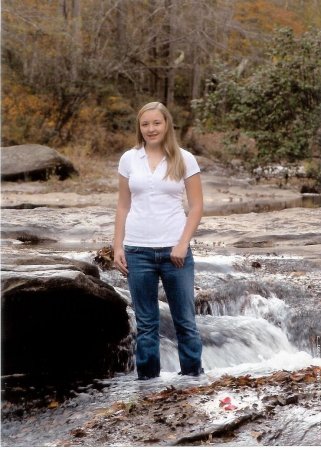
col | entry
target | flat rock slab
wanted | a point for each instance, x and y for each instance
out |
(91, 224)
(56, 200)
(33, 162)
(283, 229)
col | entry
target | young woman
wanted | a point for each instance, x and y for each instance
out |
(152, 236)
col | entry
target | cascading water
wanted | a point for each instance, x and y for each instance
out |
(244, 326)
(249, 324)
(235, 344)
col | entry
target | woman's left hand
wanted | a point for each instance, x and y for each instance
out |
(178, 255)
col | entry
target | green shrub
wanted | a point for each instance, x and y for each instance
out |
(278, 104)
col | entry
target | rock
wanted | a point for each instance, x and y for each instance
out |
(256, 265)
(52, 224)
(33, 162)
(305, 189)
(60, 318)
(21, 263)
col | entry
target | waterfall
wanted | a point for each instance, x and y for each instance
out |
(227, 340)
(243, 323)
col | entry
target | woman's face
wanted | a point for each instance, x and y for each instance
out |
(153, 127)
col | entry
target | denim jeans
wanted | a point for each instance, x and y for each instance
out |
(146, 266)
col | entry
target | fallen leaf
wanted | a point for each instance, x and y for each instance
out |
(230, 407)
(53, 405)
(78, 433)
(257, 434)
(297, 376)
(244, 380)
(281, 375)
(317, 372)
(225, 401)
(309, 378)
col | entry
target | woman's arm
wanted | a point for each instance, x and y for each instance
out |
(123, 206)
(195, 203)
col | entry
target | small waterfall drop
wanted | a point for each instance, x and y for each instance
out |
(227, 340)
(244, 325)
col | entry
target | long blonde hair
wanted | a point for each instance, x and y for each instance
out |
(175, 163)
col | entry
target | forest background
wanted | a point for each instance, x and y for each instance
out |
(247, 73)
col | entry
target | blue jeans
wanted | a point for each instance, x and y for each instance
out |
(146, 266)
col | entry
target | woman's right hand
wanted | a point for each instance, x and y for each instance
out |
(120, 262)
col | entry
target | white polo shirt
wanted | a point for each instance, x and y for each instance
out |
(156, 217)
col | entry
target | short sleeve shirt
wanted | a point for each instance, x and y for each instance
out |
(156, 217)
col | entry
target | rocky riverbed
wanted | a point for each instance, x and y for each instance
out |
(258, 294)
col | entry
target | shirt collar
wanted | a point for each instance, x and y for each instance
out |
(141, 152)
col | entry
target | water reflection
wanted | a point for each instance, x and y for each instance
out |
(306, 201)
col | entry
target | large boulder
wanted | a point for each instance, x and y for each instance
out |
(33, 162)
(59, 318)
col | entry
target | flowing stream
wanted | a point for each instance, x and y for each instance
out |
(249, 324)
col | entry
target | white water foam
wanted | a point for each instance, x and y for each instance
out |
(280, 361)
(238, 345)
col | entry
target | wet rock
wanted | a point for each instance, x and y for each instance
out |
(256, 265)
(306, 189)
(51, 224)
(23, 263)
(33, 162)
(203, 301)
(60, 318)
(291, 399)
(278, 229)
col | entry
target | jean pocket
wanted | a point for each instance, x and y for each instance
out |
(131, 249)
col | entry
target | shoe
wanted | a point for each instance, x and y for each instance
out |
(146, 377)
(143, 378)
(193, 374)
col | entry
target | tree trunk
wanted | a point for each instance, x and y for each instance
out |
(121, 27)
(196, 81)
(153, 75)
(76, 38)
(64, 8)
(169, 80)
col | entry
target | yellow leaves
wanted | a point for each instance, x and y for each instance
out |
(19, 101)
(118, 105)
(25, 114)
(261, 17)
(109, 411)
(266, 16)
(85, 113)
(53, 404)
(117, 409)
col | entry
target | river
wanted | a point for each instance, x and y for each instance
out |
(249, 323)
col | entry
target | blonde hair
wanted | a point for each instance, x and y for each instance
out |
(175, 163)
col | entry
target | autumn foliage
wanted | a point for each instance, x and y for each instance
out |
(75, 71)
